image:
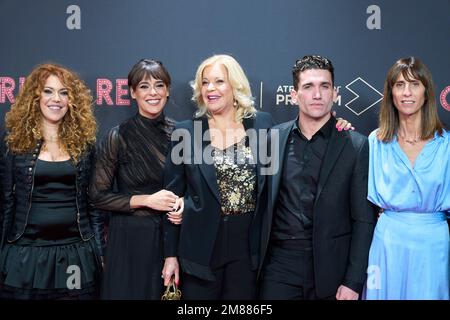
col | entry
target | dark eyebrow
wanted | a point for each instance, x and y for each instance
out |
(148, 82)
(48, 87)
(322, 83)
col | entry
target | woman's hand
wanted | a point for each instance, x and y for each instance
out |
(171, 269)
(176, 216)
(162, 201)
(342, 124)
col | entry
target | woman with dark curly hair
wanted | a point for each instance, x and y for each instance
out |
(51, 239)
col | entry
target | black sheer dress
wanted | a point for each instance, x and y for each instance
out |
(130, 162)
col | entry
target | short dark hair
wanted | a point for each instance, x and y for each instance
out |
(311, 62)
(146, 68)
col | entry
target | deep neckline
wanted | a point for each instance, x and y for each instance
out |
(232, 145)
(54, 161)
(404, 155)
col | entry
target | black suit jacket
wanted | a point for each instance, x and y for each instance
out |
(193, 241)
(343, 217)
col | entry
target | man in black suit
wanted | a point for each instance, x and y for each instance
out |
(317, 233)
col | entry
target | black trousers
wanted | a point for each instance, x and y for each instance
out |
(288, 272)
(230, 263)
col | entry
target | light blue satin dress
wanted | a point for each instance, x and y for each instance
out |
(409, 254)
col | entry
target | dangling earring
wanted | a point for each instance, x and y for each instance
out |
(235, 103)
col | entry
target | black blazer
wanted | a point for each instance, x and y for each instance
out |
(193, 241)
(343, 217)
(17, 180)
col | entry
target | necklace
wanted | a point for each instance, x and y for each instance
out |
(410, 141)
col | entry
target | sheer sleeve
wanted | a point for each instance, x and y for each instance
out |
(97, 217)
(104, 173)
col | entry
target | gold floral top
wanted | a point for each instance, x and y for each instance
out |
(236, 178)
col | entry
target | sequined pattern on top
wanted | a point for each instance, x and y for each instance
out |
(236, 178)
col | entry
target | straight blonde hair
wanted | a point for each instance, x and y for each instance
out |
(239, 83)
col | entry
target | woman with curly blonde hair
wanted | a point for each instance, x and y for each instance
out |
(51, 237)
(25, 121)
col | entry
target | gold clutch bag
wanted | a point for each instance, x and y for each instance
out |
(172, 292)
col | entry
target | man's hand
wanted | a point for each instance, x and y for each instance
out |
(345, 293)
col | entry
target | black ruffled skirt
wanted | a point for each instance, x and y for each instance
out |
(68, 271)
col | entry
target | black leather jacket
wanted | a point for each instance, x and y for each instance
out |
(17, 180)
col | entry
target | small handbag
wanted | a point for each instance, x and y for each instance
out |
(172, 292)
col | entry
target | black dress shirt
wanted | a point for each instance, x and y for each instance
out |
(294, 217)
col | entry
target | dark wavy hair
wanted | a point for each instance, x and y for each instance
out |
(311, 62)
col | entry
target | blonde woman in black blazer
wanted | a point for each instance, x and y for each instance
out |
(214, 163)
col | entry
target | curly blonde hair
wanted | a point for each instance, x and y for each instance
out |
(78, 128)
(241, 87)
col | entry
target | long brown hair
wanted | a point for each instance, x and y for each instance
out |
(23, 122)
(412, 69)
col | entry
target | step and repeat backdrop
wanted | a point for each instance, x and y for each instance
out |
(102, 39)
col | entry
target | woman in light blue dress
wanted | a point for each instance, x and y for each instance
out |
(409, 178)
